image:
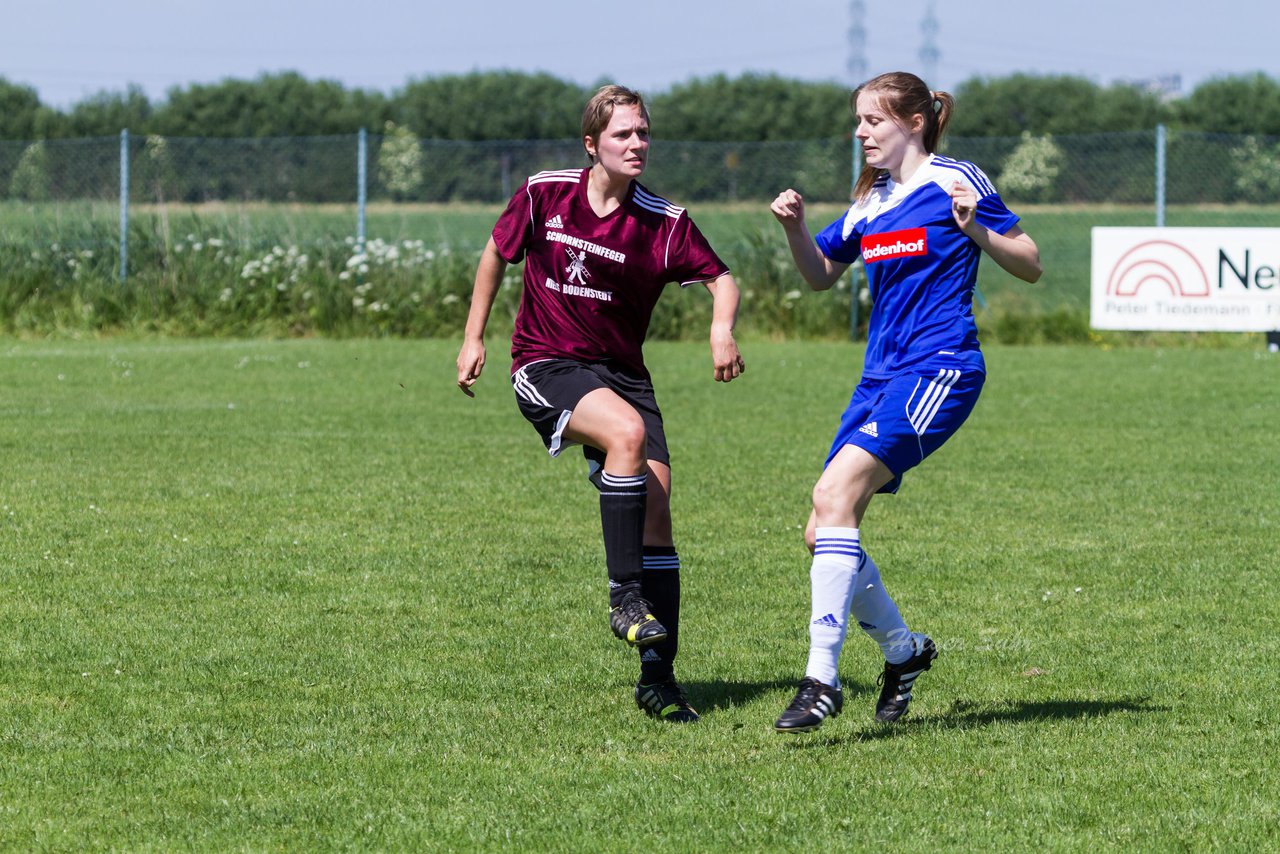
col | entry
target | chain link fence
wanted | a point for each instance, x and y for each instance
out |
(1119, 168)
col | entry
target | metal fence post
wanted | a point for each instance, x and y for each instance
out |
(362, 186)
(1161, 143)
(124, 204)
(853, 268)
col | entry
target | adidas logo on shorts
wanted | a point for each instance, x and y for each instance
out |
(555, 222)
(870, 429)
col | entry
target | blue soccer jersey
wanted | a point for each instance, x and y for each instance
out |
(921, 267)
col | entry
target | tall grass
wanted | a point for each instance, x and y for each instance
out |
(297, 271)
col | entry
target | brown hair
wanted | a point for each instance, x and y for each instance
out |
(904, 95)
(599, 110)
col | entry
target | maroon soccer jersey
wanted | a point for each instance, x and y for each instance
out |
(590, 282)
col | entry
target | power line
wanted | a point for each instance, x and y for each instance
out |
(929, 52)
(857, 61)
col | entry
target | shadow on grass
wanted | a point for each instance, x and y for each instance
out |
(965, 715)
(709, 697)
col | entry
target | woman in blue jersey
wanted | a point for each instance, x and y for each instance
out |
(919, 222)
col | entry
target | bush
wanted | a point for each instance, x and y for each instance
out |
(1257, 170)
(1031, 170)
(30, 181)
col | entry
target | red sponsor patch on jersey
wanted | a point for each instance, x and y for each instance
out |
(894, 244)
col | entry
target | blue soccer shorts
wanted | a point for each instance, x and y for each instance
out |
(903, 419)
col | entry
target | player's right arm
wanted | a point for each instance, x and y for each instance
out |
(489, 274)
(816, 269)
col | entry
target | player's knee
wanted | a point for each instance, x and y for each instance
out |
(827, 501)
(629, 436)
(626, 444)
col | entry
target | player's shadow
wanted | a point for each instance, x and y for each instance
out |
(966, 715)
(710, 697)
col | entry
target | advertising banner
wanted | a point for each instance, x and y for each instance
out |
(1186, 279)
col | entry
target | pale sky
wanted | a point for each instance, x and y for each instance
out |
(69, 50)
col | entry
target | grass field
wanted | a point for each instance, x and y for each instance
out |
(304, 595)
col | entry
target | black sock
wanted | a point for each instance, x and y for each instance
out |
(661, 587)
(622, 504)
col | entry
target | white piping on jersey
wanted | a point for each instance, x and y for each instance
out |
(643, 198)
(977, 179)
(563, 176)
(569, 176)
(931, 401)
(657, 204)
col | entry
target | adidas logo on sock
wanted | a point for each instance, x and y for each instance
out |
(555, 222)
(870, 430)
(650, 654)
(829, 621)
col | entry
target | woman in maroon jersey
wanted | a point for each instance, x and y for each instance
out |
(598, 248)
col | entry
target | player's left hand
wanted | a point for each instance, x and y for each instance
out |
(964, 203)
(725, 355)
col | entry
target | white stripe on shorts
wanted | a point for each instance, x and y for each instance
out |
(526, 390)
(529, 393)
(931, 401)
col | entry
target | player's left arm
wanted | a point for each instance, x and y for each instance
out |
(724, 316)
(1014, 250)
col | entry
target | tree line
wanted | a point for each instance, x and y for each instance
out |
(504, 105)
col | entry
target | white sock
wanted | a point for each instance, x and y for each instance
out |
(878, 616)
(832, 581)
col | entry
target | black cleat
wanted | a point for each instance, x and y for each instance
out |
(632, 622)
(814, 703)
(897, 680)
(666, 701)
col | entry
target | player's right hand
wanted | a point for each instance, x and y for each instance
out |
(788, 207)
(470, 365)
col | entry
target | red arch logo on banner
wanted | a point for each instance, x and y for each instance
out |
(1158, 263)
